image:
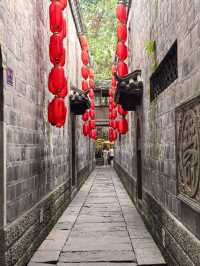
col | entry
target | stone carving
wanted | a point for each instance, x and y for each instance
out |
(188, 149)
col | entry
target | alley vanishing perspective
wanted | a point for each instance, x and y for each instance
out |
(101, 227)
(99, 132)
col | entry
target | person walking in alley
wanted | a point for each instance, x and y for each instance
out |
(111, 156)
(105, 156)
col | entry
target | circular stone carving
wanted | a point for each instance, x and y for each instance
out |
(189, 154)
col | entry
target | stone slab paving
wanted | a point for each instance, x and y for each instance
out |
(101, 227)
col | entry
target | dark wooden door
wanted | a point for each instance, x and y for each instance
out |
(139, 162)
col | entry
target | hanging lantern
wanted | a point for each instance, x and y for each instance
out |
(114, 82)
(86, 129)
(91, 73)
(122, 69)
(110, 116)
(122, 32)
(121, 12)
(92, 124)
(114, 69)
(91, 94)
(123, 126)
(63, 3)
(92, 114)
(114, 124)
(110, 108)
(111, 100)
(110, 92)
(92, 105)
(85, 116)
(57, 80)
(114, 105)
(121, 51)
(56, 49)
(85, 72)
(121, 111)
(85, 57)
(113, 114)
(63, 93)
(84, 42)
(114, 135)
(57, 112)
(91, 84)
(94, 135)
(56, 17)
(85, 85)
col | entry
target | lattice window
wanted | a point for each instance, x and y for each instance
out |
(165, 73)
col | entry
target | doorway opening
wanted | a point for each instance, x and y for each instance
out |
(73, 143)
(139, 162)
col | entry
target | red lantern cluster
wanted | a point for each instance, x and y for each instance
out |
(112, 130)
(121, 49)
(117, 115)
(89, 125)
(57, 81)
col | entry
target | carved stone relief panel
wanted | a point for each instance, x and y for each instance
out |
(188, 149)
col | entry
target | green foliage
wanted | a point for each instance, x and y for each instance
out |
(150, 48)
(100, 22)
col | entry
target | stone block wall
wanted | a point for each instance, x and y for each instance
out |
(35, 157)
(173, 218)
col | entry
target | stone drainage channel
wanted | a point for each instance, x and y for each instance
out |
(101, 227)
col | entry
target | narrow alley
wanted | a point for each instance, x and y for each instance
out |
(101, 226)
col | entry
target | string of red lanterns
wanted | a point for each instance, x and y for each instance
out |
(117, 115)
(57, 81)
(89, 123)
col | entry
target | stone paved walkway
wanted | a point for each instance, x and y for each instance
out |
(101, 227)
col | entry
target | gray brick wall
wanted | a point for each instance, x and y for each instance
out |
(162, 21)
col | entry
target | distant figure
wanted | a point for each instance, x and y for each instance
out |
(105, 156)
(111, 156)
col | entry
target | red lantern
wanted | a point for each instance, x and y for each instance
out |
(110, 116)
(63, 3)
(85, 72)
(110, 92)
(91, 94)
(85, 116)
(91, 73)
(114, 105)
(57, 80)
(114, 135)
(121, 51)
(85, 57)
(122, 32)
(56, 49)
(111, 100)
(114, 69)
(122, 69)
(56, 17)
(57, 112)
(121, 13)
(93, 134)
(92, 124)
(84, 42)
(92, 104)
(113, 114)
(91, 83)
(123, 126)
(110, 108)
(92, 114)
(121, 111)
(63, 93)
(84, 85)
(114, 124)
(114, 82)
(86, 129)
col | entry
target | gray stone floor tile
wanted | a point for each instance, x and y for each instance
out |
(101, 227)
